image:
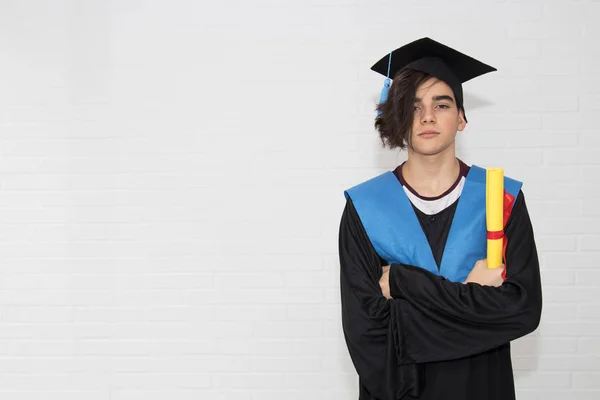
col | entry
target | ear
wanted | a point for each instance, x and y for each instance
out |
(461, 120)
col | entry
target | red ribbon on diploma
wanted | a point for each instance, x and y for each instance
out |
(495, 235)
(507, 204)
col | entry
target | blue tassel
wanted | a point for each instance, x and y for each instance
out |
(384, 92)
(386, 84)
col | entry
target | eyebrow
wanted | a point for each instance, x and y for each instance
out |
(437, 98)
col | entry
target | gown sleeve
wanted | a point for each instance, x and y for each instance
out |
(447, 320)
(371, 326)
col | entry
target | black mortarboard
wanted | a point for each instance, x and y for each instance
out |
(433, 58)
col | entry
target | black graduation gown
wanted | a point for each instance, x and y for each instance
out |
(436, 339)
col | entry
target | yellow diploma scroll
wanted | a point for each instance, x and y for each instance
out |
(494, 215)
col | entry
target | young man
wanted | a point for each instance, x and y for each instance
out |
(423, 316)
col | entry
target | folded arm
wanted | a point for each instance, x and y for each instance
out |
(456, 319)
(429, 318)
(371, 325)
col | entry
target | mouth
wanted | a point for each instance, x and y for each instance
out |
(429, 133)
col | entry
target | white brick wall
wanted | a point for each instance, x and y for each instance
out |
(171, 178)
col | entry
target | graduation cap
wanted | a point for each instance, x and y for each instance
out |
(433, 58)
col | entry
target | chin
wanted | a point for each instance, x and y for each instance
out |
(430, 148)
(429, 153)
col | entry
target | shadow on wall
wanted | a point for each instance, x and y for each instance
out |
(525, 353)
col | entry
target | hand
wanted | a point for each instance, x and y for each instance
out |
(485, 276)
(384, 282)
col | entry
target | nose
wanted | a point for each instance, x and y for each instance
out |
(427, 115)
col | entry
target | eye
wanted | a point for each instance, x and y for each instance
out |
(443, 106)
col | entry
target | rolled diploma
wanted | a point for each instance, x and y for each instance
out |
(494, 214)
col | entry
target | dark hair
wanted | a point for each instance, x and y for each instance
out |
(395, 121)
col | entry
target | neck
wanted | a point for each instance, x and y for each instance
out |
(430, 176)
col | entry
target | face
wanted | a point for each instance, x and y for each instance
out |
(436, 118)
